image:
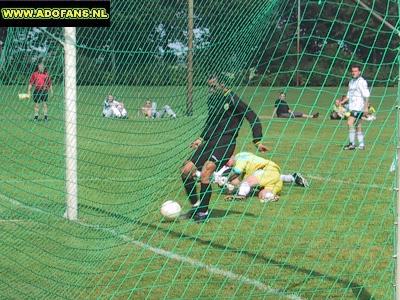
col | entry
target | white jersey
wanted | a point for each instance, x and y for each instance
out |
(358, 92)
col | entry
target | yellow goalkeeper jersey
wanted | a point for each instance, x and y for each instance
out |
(247, 163)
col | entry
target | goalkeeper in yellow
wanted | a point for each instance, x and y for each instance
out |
(249, 171)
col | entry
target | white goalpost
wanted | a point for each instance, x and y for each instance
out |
(71, 178)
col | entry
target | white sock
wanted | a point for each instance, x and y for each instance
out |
(352, 135)
(222, 170)
(244, 189)
(360, 138)
(287, 178)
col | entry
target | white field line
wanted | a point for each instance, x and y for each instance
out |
(374, 186)
(159, 251)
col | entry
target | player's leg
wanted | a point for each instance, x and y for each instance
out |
(108, 113)
(123, 112)
(189, 182)
(205, 187)
(217, 152)
(284, 115)
(272, 185)
(115, 112)
(154, 112)
(352, 133)
(44, 97)
(196, 162)
(36, 100)
(245, 187)
(360, 134)
(169, 112)
(267, 195)
(303, 115)
(36, 108)
(296, 178)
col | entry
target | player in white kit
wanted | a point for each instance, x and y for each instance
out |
(358, 98)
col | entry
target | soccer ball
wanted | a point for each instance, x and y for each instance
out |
(170, 209)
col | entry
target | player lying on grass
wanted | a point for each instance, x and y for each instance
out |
(250, 171)
(222, 176)
(282, 109)
(339, 111)
(113, 108)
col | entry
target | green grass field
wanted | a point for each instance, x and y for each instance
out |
(333, 240)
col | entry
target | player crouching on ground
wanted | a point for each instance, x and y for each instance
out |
(255, 171)
(114, 109)
(339, 112)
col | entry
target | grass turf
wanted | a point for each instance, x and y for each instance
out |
(332, 240)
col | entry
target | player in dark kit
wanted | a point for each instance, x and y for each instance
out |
(217, 143)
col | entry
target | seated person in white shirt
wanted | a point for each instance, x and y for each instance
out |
(149, 110)
(113, 108)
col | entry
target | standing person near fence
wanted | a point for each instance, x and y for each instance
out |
(358, 99)
(41, 81)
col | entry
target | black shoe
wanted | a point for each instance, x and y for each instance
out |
(35, 119)
(190, 213)
(349, 147)
(200, 217)
(300, 180)
(316, 115)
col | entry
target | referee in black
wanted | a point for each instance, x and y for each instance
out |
(217, 143)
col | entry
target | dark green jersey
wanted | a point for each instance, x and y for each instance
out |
(225, 116)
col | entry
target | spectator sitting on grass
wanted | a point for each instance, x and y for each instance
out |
(113, 108)
(149, 110)
(282, 109)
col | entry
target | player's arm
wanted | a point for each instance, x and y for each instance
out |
(51, 86)
(29, 88)
(363, 86)
(31, 81)
(255, 125)
(345, 100)
(366, 111)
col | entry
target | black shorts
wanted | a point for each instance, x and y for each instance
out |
(40, 96)
(356, 114)
(217, 150)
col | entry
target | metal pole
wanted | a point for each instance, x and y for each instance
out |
(378, 16)
(71, 178)
(189, 101)
(298, 43)
(397, 249)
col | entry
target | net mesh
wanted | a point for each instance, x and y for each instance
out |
(334, 239)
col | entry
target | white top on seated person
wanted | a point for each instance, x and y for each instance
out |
(114, 109)
(149, 110)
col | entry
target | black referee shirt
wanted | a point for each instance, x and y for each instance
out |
(225, 116)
